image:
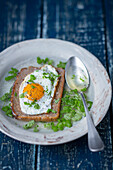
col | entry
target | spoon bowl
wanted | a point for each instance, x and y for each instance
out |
(77, 77)
(76, 74)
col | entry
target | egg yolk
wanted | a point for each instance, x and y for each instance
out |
(34, 91)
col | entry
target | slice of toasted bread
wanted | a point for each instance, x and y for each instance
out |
(45, 117)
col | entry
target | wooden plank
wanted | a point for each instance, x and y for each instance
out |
(80, 22)
(19, 20)
(15, 154)
(108, 9)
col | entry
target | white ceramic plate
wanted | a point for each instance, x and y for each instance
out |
(24, 54)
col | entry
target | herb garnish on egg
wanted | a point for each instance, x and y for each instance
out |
(51, 76)
(38, 89)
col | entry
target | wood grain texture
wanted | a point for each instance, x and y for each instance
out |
(15, 154)
(81, 22)
(19, 20)
(108, 10)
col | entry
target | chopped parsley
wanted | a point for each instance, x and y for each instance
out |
(33, 87)
(85, 77)
(15, 94)
(36, 129)
(72, 110)
(50, 62)
(50, 93)
(46, 89)
(36, 106)
(32, 77)
(22, 95)
(46, 60)
(29, 124)
(6, 96)
(84, 89)
(61, 65)
(73, 76)
(39, 60)
(30, 104)
(50, 110)
(26, 103)
(82, 79)
(7, 110)
(13, 73)
(51, 76)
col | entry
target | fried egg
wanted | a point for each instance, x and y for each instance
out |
(38, 89)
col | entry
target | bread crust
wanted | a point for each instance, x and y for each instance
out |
(45, 117)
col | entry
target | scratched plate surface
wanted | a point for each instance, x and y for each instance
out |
(25, 54)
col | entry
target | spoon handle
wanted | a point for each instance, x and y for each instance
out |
(94, 141)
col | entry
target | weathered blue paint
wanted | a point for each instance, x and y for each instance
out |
(108, 9)
(19, 20)
(81, 22)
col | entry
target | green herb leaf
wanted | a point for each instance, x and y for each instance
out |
(33, 87)
(10, 91)
(32, 77)
(84, 89)
(60, 126)
(13, 74)
(29, 124)
(82, 79)
(32, 103)
(22, 95)
(7, 110)
(51, 76)
(50, 62)
(9, 113)
(50, 93)
(50, 110)
(6, 97)
(9, 77)
(57, 100)
(14, 70)
(61, 65)
(39, 60)
(31, 81)
(73, 76)
(15, 94)
(47, 125)
(26, 103)
(55, 128)
(89, 104)
(46, 60)
(36, 106)
(36, 129)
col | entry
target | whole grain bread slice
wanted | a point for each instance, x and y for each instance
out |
(45, 117)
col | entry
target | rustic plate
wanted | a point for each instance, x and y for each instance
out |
(24, 54)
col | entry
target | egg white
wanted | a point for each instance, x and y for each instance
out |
(45, 101)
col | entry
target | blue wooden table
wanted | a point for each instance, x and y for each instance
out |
(88, 23)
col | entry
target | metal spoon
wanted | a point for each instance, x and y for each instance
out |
(77, 77)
